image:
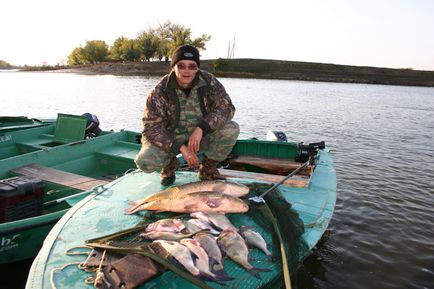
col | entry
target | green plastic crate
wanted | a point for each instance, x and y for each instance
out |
(69, 128)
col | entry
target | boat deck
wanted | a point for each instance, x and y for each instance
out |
(102, 213)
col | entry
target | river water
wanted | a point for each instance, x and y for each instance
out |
(382, 231)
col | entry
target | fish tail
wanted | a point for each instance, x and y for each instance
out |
(222, 275)
(132, 209)
(255, 271)
(269, 255)
(210, 277)
(138, 207)
(218, 270)
(216, 267)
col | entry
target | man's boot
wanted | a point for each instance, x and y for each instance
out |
(208, 170)
(167, 174)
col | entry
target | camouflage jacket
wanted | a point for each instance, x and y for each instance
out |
(162, 109)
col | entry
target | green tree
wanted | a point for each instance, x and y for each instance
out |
(125, 49)
(95, 51)
(76, 56)
(148, 43)
(4, 65)
(173, 35)
(116, 52)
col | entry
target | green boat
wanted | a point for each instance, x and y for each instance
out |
(12, 123)
(292, 217)
(44, 170)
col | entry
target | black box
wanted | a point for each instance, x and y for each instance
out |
(20, 198)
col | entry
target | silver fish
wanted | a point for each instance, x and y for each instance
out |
(167, 236)
(209, 244)
(166, 225)
(198, 225)
(202, 262)
(181, 253)
(236, 248)
(218, 220)
(254, 239)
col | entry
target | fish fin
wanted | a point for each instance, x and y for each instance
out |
(223, 276)
(193, 256)
(190, 207)
(214, 203)
(132, 209)
(133, 206)
(208, 277)
(255, 271)
(220, 272)
(141, 207)
(243, 228)
(132, 202)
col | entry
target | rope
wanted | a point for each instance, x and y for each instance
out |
(269, 215)
(52, 282)
(69, 253)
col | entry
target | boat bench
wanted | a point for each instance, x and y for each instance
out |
(282, 166)
(122, 151)
(295, 181)
(55, 176)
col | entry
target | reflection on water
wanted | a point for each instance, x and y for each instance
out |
(382, 231)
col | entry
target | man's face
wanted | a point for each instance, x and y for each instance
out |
(185, 71)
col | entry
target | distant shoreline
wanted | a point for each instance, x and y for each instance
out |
(265, 69)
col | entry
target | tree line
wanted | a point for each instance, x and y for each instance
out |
(151, 44)
(4, 65)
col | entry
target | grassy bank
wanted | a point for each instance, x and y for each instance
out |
(275, 69)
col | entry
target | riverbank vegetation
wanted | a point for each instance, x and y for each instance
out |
(5, 65)
(151, 44)
(149, 54)
(272, 69)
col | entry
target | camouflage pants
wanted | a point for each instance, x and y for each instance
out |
(216, 146)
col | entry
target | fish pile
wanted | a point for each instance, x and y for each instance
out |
(199, 244)
(201, 196)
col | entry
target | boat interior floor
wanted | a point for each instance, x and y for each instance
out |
(59, 177)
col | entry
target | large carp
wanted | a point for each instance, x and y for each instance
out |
(194, 202)
(227, 188)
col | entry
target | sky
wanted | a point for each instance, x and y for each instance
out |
(380, 33)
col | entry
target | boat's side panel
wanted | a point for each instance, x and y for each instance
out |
(15, 123)
(315, 203)
(22, 239)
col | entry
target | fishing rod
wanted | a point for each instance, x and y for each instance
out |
(258, 200)
(305, 152)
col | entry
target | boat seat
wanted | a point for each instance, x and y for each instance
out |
(58, 177)
(122, 151)
(281, 166)
(295, 181)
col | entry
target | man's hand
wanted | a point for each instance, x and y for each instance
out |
(194, 140)
(191, 158)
